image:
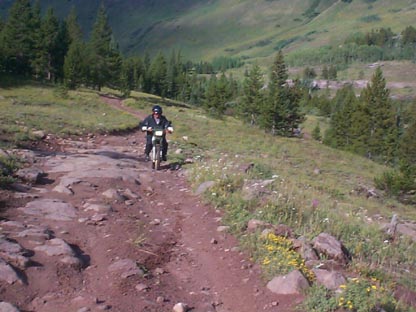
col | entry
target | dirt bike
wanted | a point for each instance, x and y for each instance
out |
(157, 142)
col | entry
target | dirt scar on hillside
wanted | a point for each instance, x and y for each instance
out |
(140, 239)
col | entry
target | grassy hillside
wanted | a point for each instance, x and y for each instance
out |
(205, 29)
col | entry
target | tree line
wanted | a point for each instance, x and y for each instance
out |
(374, 126)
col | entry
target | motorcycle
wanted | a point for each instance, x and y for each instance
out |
(157, 142)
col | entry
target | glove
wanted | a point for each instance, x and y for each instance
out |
(170, 129)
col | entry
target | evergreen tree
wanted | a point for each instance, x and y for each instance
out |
(72, 26)
(18, 38)
(253, 95)
(46, 58)
(215, 96)
(127, 77)
(281, 112)
(382, 132)
(158, 75)
(101, 51)
(339, 134)
(75, 68)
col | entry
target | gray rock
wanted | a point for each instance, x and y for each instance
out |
(255, 188)
(204, 186)
(56, 247)
(329, 279)
(180, 307)
(290, 284)
(31, 174)
(53, 209)
(13, 252)
(125, 268)
(330, 247)
(101, 208)
(8, 307)
(8, 274)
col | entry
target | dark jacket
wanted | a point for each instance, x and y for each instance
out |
(149, 121)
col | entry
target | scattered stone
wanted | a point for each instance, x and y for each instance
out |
(331, 248)
(329, 279)
(63, 190)
(31, 174)
(223, 228)
(8, 274)
(293, 283)
(13, 252)
(103, 208)
(125, 268)
(204, 186)
(255, 188)
(114, 194)
(253, 225)
(180, 307)
(141, 287)
(8, 307)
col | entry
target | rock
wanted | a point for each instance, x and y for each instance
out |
(125, 268)
(63, 190)
(8, 307)
(331, 248)
(53, 209)
(31, 174)
(255, 188)
(283, 230)
(223, 228)
(113, 194)
(204, 186)
(293, 283)
(59, 247)
(102, 208)
(253, 225)
(8, 274)
(13, 252)
(39, 134)
(329, 279)
(180, 307)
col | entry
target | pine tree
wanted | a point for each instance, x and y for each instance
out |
(253, 95)
(75, 68)
(281, 112)
(73, 28)
(101, 50)
(18, 38)
(158, 75)
(127, 77)
(46, 58)
(382, 132)
(339, 134)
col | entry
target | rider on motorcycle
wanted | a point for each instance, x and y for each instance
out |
(156, 120)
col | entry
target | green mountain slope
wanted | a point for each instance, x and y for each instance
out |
(204, 29)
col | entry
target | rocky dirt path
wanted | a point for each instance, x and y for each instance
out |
(99, 230)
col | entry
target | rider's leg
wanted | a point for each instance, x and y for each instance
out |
(148, 147)
(164, 149)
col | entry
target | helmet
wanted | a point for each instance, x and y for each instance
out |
(157, 109)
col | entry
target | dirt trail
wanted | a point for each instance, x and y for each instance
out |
(140, 239)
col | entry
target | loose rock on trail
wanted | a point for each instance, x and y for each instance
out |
(97, 229)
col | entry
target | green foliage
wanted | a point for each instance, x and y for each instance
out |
(319, 299)
(7, 166)
(316, 133)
